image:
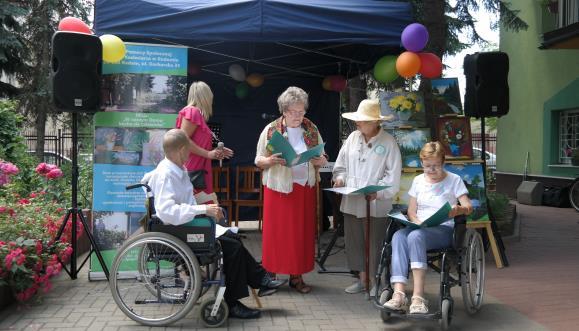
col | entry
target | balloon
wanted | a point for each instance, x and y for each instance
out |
(255, 80)
(114, 48)
(73, 24)
(338, 83)
(414, 37)
(326, 84)
(241, 90)
(193, 69)
(237, 72)
(385, 69)
(431, 65)
(408, 64)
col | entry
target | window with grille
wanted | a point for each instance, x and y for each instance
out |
(568, 134)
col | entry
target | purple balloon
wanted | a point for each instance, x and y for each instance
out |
(414, 37)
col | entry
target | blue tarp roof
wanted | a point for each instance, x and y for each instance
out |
(369, 22)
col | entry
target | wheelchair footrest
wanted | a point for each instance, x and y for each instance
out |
(402, 313)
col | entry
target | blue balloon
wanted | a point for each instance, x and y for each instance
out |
(414, 37)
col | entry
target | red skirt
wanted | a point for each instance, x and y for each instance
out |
(289, 230)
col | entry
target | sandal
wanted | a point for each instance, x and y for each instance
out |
(397, 302)
(418, 306)
(297, 283)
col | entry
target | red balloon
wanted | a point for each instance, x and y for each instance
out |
(338, 83)
(73, 24)
(431, 65)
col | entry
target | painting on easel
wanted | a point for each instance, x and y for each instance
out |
(446, 96)
(453, 132)
(406, 108)
(472, 176)
(410, 142)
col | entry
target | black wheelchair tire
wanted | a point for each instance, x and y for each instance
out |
(446, 314)
(473, 258)
(574, 194)
(385, 296)
(205, 313)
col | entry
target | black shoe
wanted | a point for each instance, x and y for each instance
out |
(269, 286)
(239, 310)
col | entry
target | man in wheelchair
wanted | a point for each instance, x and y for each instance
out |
(176, 205)
(429, 191)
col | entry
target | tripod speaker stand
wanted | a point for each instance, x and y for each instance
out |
(74, 213)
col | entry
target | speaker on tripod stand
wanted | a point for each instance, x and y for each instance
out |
(76, 67)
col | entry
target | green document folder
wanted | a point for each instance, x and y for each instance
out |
(436, 219)
(352, 190)
(278, 144)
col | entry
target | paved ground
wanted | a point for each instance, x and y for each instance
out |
(517, 297)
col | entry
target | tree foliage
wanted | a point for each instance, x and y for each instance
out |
(12, 45)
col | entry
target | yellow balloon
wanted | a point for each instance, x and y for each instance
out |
(113, 48)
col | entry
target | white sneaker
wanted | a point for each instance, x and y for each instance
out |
(357, 287)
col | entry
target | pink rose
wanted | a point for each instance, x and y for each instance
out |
(23, 201)
(8, 168)
(41, 169)
(54, 173)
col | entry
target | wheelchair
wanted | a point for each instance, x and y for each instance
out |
(158, 276)
(465, 257)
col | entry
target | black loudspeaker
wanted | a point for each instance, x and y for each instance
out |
(76, 69)
(487, 86)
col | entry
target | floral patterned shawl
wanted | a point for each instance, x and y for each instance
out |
(310, 132)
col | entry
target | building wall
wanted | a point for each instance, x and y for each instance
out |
(535, 77)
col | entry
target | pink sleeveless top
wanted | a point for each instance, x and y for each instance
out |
(202, 137)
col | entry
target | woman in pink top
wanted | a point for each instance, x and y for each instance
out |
(193, 120)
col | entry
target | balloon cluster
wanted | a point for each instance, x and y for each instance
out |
(237, 72)
(114, 49)
(336, 83)
(414, 39)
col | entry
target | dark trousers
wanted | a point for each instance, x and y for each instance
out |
(240, 268)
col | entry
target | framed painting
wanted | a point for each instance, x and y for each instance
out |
(401, 198)
(410, 142)
(453, 132)
(472, 176)
(406, 108)
(446, 97)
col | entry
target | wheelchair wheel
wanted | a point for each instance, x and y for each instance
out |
(574, 194)
(385, 296)
(165, 286)
(446, 312)
(213, 321)
(472, 280)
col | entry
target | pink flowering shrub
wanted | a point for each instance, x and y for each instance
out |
(7, 170)
(29, 256)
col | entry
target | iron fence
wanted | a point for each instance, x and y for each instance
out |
(58, 144)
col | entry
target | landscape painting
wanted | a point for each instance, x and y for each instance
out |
(472, 176)
(405, 108)
(401, 198)
(410, 142)
(446, 97)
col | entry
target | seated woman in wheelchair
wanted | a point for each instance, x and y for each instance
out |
(176, 205)
(429, 191)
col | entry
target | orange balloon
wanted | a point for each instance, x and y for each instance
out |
(255, 80)
(408, 64)
(327, 83)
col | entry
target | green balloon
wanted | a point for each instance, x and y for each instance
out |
(241, 90)
(385, 69)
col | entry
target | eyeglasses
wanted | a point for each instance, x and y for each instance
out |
(295, 113)
(434, 167)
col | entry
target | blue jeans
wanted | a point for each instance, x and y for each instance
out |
(410, 245)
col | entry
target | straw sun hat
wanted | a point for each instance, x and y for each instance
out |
(368, 110)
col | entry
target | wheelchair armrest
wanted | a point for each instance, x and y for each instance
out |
(459, 231)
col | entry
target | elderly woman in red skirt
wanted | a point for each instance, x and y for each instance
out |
(289, 202)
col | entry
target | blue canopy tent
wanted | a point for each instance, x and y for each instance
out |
(290, 42)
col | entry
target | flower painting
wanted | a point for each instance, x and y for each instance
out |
(446, 96)
(410, 142)
(407, 109)
(454, 134)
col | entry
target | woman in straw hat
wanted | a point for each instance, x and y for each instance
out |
(289, 201)
(369, 156)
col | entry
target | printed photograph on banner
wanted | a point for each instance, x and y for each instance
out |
(472, 176)
(406, 107)
(129, 146)
(454, 134)
(446, 96)
(111, 229)
(410, 142)
(143, 93)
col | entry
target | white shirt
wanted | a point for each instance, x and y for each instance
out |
(296, 139)
(361, 163)
(174, 200)
(431, 196)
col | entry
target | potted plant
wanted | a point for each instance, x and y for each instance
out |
(575, 157)
(551, 5)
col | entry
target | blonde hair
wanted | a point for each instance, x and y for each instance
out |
(174, 140)
(292, 96)
(200, 96)
(432, 149)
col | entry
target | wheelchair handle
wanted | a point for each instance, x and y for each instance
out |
(134, 186)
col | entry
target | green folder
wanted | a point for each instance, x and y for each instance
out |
(436, 219)
(352, 190)
(278, 144)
